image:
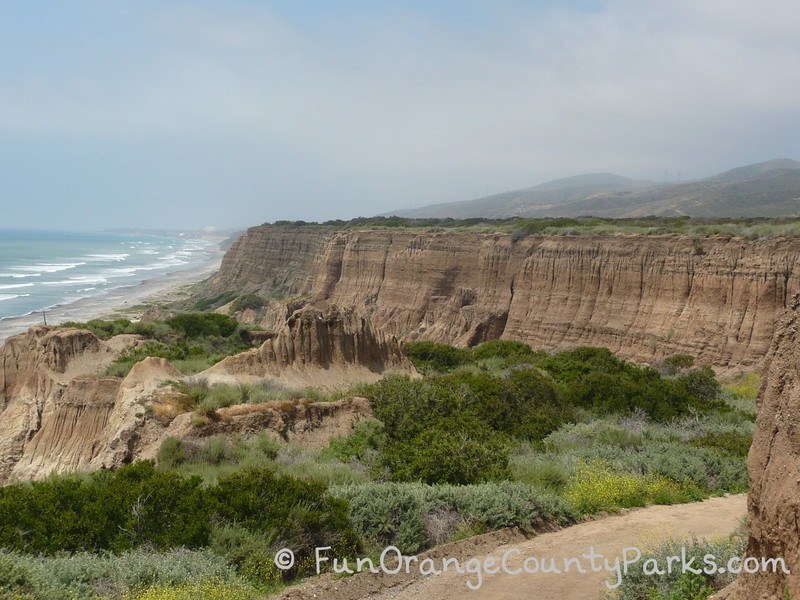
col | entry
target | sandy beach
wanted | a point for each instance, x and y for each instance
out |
(125, 301)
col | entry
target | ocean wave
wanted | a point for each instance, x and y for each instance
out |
(48, 267)
(4, 297)
(107, 257)
(129, 271)
(20, 275)
(14, 286)
(86, 279)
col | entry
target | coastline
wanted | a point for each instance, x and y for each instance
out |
(122, 302)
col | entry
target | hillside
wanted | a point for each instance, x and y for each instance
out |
(768, 189)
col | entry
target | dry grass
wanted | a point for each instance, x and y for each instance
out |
(249, 409)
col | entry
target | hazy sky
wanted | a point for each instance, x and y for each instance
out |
(232, 113)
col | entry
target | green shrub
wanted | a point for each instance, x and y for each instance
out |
(507, 350)
(386, 514)
(140, 506)
(248, 302)
(220, 396)
(252, 553)
(730, 442)
(104, 511)
(298, 513)
(543, 471)
(15, 579)
(193, 325)
(675, 585)
(674, 364)
(85, 575)
(362, 445)
(429, 356)
(439, 455)
(175, 452)
(701, 383)
(401, 513)
(213, 302)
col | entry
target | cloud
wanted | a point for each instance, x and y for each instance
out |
(395, 107)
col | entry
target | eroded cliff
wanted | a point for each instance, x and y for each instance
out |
(641, 296)
(58, 414)
(773, 463)
(323, 348)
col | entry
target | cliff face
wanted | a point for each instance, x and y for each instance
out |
(317, 348)
(640, 296)
(56, 414)
(773, 502)
(35, 373)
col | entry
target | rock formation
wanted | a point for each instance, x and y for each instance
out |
(57, 414)
(643, 297)
(36, 370)
(324, 348)
(774, 466)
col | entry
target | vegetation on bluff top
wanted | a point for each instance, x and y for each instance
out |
(192, 342)
(749, 228)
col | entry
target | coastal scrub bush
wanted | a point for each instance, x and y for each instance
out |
(729, 442)
(140, 506)
(362, 445)
(401, 513)
(248, 302)
(591, 379)
(507, 350)
(674, 364)
(674, 584)
(297, 513)
(104, 511)
(596, 487)
(193, 325)
(104, 575)
(443, 455)
(209, 589)
(433, 357)
(210, 303)
(435, 434)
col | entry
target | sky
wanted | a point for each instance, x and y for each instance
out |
(168, 114)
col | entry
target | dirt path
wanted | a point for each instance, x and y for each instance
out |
(642, 528)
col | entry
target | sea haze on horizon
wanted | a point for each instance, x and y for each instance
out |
(40, 270)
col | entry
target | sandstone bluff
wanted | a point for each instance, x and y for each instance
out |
(643, 297)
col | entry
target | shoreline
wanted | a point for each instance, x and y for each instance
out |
(121, 302)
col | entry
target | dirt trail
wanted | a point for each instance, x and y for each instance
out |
(642, 528)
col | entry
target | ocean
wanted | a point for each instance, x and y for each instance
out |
(42, 270)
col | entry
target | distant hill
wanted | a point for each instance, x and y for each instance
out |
(768, 189)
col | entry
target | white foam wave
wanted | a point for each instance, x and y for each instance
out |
(107, 257)
(4, 297)
(20, 275)
(86, 279)
(14, 286)
(129, 271)
(47, 267)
